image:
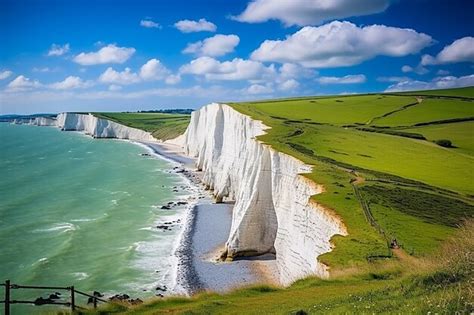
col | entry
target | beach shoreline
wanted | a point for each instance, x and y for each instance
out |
(203, 239)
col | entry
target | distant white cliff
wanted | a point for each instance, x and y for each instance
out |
(100, 128)
(273, 211)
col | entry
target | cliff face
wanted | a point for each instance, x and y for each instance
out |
(100, 128)
(272, 211)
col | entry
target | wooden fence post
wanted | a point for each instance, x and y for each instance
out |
(73, 302)
(7, 297)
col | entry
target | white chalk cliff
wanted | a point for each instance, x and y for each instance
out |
(100, 128)
(273, 211)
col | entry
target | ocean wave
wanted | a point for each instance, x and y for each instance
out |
(61, 227)
(80, 275)
(84, 220)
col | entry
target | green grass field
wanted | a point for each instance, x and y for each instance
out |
(461, 134)
(387, 179)
(161, 126)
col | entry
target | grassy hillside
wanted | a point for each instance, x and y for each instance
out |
(356, 159)
(387, 178)
(440, 283)
(161, 126)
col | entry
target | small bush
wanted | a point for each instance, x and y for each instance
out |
(444, 143)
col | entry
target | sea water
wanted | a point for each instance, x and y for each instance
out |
(81, 211)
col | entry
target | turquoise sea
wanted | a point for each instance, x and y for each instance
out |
(81, 211)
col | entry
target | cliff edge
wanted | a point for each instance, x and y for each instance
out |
(273, 211)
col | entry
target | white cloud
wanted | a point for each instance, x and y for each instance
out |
(189, 26)
(392, 79)
(442, 72)
(348, 79)
(22, 83)
(173, 79)
(70, 82)
(214, 46)
(153, 69)
(236, 69)
(259, 89)
(108, 54)
(5, 74)
(418, 69)
(437, 83)
(58, 50)
(291, 70)
(125, 77)
(114, 87)
(339, 44)
(149, 24)
(308, 12)
(461, 50)
(44, 69)
(289, 85)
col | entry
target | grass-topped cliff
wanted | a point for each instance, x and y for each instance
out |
(394, 166)
(162, 126)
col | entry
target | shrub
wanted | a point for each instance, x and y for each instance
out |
(444, 143)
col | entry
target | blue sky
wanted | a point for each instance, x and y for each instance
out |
(130, 55)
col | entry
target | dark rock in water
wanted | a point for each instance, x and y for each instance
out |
(175, 190)
(97, 293)
(163, 288)
(90, 300)
(42, 301)
(180, 203)
(57, 293)
(165, 207)
(160, 295)
(163, 227)
(145, 154)
(54, 297)
(119, 297)
(170, 203)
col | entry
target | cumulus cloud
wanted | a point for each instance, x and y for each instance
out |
(291, 70)
(173, 79)
(58, 50)
(108, 54)
(189, 26)
(114, 87)
(289, 85)
(418, 69)
(236, 69)
(461, 50)
(215, 46)
(153, 69)
(70, 82)
(392, 79)
(259, 89)
(308, 12)
(149, 24)
(348, 79)
(5, 74)
(22, 83)
(437, 83)
(339, 44)
(124, 77)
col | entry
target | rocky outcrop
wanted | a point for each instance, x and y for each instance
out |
(273, 211)
(100, 128)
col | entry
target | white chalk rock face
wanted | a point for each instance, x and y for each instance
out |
(273, 211)
(100, 128)
(44, 121)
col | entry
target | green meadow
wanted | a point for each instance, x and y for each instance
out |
(388, 179)
(161, 126)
